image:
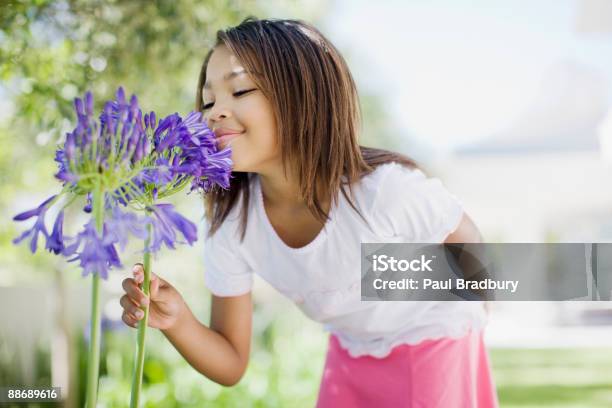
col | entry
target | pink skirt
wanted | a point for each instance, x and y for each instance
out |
(438, 373)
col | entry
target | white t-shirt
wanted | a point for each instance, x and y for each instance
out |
(323, 277)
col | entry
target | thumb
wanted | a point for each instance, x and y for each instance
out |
(154, 286)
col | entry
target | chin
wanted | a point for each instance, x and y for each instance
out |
(245, 167)
(242, 161)
(249, 161)
(240, 165)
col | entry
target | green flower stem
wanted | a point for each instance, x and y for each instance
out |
(142, 327)
(93, 358)
(175, 189)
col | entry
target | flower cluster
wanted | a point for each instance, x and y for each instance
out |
(127, 160)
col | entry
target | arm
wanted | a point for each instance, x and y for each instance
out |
(466, 232)
(220, 352)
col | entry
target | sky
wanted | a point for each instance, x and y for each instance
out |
(453, 72)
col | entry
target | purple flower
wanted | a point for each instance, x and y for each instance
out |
(63, 163)
(201, 134)
(200, 156)
(168, 133)
(122, 195)
(182, 149)
(97, 144)
(166, 222)
(88, 206)
(217, 171)
(160, 175)
(95, 254)
(55, 242)
(89, 104)
(210, 169)
(78, 145)
(35, 212)
(127, 116)
(39, 225)
(142, 158)
(121, 224)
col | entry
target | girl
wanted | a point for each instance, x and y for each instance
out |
(304, 195)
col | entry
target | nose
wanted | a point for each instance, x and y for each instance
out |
(216, 114)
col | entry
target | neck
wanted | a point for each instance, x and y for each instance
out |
(280, 190)
(283, 192)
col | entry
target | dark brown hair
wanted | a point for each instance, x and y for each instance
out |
(316, 106)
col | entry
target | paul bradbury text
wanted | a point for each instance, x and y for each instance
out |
(447, 284)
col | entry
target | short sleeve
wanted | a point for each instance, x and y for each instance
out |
(410, 204)
(226, 273)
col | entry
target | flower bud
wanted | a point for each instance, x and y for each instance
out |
(69, 146)
(153, 120)
(78, 106)
(134, 106)
(121, 96)
(89, 103)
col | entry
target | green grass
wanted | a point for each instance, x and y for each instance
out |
(287, 358)
(561, 378)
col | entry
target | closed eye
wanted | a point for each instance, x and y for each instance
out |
(235, 94)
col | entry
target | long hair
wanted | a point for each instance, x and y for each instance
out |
(316, 106)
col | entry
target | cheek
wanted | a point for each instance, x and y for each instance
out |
(258, 119)
(258, 112)
(257, 146)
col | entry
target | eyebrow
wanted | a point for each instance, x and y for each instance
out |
(228, 76)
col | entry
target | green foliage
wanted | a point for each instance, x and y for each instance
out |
(560, 378)
(284, 370)
(286, 367)
(52, 51)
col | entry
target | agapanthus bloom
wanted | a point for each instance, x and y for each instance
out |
(207, 165)
(39, 225)
(95, 253)
(121, 224)
(119, 161)
(104, 149)
(55, 242)
(135, 160)
(167, 222)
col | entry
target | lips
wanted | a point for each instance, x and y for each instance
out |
(223, 132)
(223, 136)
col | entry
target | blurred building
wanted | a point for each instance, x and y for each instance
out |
(545, 179)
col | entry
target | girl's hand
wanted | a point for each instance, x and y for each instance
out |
(165, 302)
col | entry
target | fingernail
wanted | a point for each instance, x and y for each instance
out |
(140, 314)
(144, 302)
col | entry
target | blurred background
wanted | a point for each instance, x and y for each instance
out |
(509, 103)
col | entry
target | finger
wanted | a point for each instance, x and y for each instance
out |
(154, 281)
(154, 287)
(129, 320)
(134, 292)
(130, 307)
(138, 272)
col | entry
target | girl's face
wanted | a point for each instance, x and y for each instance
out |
(239, 113)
